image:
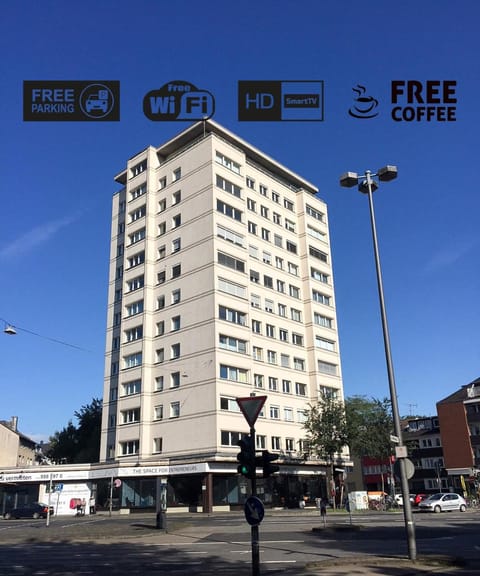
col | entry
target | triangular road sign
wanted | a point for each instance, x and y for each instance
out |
(251, 407)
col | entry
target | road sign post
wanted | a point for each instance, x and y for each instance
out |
(251, 407)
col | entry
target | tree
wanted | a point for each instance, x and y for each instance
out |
(369, 426)
(327, 430)
(82, 443)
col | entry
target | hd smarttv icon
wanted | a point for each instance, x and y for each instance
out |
(281, 100)
(178, 100)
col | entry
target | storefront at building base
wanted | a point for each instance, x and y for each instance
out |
(196, 487)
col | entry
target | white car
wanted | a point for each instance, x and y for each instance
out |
(399, 499)
(443, 501)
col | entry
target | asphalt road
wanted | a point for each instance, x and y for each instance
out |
(221, 544)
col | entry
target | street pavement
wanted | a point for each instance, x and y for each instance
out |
(96, 548)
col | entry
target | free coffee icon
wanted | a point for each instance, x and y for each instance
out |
(364, 106)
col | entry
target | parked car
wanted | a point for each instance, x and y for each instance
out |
(443, 501)
(399, 499)
(419, 498)
(35, 510)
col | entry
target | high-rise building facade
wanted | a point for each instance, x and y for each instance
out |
(220, 287)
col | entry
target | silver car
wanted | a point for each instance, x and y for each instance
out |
(442, 502)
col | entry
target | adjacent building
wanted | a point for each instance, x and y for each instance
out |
(220, 287)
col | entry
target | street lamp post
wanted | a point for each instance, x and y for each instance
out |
(367, 185)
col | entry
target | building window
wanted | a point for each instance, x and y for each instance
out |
(294, 291)
(288, 204)
(276, 197)
(130, 416)
(315, 213)
(160, 328)
(267, 258)
(174, 409)
(250, 183)
(299, 364)
(300, 389)
(176, 244)
(288, 416)
(254, 277)
(282, 310)
(271, 357)
(275, 412)
(281, 286)
(264, 211)
(260, 442)
(321, 298)
(232, 288)
(175, 323)
(266, 234)
(233, 373)
(231, 315)
(138, 213)
(176, 270)
(129, 448)
(252, 228)
(283, 335)
(119, 273)
(258, 380)
(229, 211)
(227, 162)
(278, 241)
(160, 355)
(255, 301)
(175, 351)
(231, 262)
(324, 344)
(139, 168)
(317, 234)
(158, 412)
(317, 254)
(291, 247)
(327, 368)
(176, 296)
(273, 384)
(297, 339)
(162, 205)
(176, 221)
(289, 225)
(162, 183)
(296, 315)
(157, 445)
(131, 388)
(321, 320)
(161, 277)
(228, 438)
(270, 330)
(136, 259)
(162, 252)
(162, 228)
(161, 302)
(135, 283)
(176, 174)
(232, 344)
(286, 387)
(159, 384)
(285, 360)
(293, 269)
(132, 360)
(229, 186)
(251, 205)
(328, 392)
(268, 281)
(175, 380)
(321, 276)
(136, 236)
(276, 443)
(257, 353)
(176, 197)
(253, 251)
(256, 326)
(135, 333)
(230, 235)
(138, 191)
(269, 304)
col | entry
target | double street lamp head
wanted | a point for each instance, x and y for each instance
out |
(385, 174)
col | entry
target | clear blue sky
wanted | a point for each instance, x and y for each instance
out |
(57, 177)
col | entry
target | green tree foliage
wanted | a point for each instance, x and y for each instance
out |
(369, 426)
(326, 428)
(81, 443)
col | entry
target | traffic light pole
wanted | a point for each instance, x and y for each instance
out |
(254, 529)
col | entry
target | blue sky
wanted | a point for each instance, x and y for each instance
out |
(57, 177)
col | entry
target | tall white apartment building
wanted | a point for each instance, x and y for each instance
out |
(220, 287)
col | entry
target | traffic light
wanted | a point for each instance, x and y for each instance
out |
(246, 457)
(267, 460)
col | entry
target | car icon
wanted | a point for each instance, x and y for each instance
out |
(97, 101)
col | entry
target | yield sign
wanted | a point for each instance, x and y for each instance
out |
(251, 407)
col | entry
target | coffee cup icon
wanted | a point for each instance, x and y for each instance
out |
(365, 106)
